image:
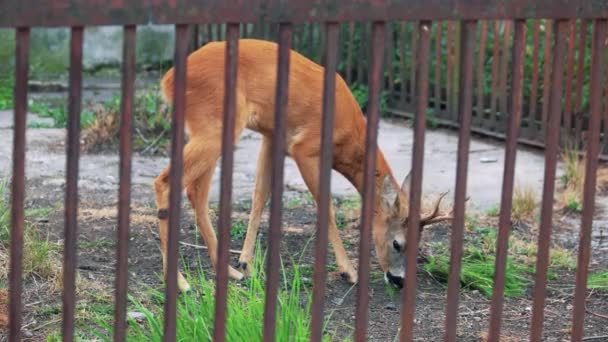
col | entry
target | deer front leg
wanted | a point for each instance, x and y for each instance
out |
(309, 168)
(260, 196)
(162, 193)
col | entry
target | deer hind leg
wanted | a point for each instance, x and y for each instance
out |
(200, 156)
(259, 198)
(198, 194)
(309, 168)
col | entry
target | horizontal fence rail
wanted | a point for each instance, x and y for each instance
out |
(457, 63)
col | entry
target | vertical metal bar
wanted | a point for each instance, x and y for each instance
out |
(349, 52)
(224, 220)
(569, 76)
(175, 181)
(278, 158)
(18, 181)
(438, 35)
(325, 167)
(455, 95)
(533, 100)
(71, 192)
(409, 295)
(124, 198)
(504, 67)
(517, 72)
(547, 73)
(598, 54)
(367, 210)
(449, 70)
(311, 44)
(362, 52)
(465, 104)
(580, 80)
(413, 64)
(402, 60)
(481, 70)
(389, 58)
(551, 142)
(494, 86)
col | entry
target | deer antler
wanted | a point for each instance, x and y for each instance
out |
(434, 216)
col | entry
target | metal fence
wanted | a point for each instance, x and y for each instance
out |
(492, 82)
(24, 14)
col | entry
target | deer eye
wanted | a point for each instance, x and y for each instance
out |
(397, 246)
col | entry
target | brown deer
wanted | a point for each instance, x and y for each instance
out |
(255, 97)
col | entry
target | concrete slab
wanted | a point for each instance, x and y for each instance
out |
(46, 161)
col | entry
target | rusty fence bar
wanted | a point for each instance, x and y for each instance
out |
(504, 67)
(504, 225)
(567, 122)
(175, 181)
(580, 79)
(409, 295)
(480, 103)
(551, 139)
(598, 63)
(18, 182)
(367, 210)
(560, 55)
(494, 82)
(124, 198)
(468, 29)
(71, 191)
(547, 73)
(437, 95)
(224, 222)
(323, 196)
(533, 99)
(278, 158)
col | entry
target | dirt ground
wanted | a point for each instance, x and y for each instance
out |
(96, 260)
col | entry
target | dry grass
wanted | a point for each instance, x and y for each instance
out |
(524, 203)
(484, 337)
(573, 181)
(102, 131)
(140, 216)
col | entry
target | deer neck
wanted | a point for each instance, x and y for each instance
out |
(350, 162)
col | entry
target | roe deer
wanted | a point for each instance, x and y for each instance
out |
(255, 97)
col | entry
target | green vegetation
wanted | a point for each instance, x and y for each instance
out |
(39, 257)
(151, 118)
(6, 93)
(245, 310)
(479, 260)
(361, 94)
(493, 211)
(239, 229)
(598, 281)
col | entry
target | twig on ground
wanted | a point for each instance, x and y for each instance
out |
(590, 338)
(197, 246)
(596, 314)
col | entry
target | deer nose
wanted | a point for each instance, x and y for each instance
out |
(394, 280)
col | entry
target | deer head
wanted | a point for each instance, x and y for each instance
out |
(390, 227)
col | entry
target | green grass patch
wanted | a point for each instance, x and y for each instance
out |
(6, 93)
(239, 229)
(477, 272)
(38, 251)
(195, 312)
(598, 281)
(478, 261)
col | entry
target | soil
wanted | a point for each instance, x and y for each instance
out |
(96, 259)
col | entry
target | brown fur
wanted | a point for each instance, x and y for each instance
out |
(255, 95)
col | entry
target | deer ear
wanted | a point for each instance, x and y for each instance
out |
(390, 194)
(405, 186)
